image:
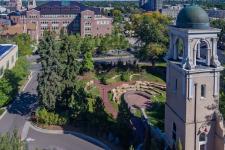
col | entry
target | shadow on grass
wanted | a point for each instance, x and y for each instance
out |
(158, 71)
(155, 112)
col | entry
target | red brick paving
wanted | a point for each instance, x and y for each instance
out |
(104, 90)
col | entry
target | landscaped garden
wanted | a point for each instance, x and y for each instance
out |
(133, 73)
(81, 88)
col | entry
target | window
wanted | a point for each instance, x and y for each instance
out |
(202, 141)
(174, 136)
(1, 71)
(12, 60)
(203, 90)
(7, 65)
(175, 85)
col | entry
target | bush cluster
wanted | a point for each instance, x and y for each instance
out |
(12, 80)
(50, 118)
(125, 76)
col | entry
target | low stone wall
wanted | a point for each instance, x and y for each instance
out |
(150, 88)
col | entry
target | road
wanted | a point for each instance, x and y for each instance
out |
(19, 111)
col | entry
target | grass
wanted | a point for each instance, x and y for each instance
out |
(153, 75)
(94, 91)
(90, 104)
(145, 76)
(114, 79)
(2, 111)
(114, 104)
(137, 113)
(156, 112)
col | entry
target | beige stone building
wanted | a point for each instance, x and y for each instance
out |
(193, 78)
(8, 57)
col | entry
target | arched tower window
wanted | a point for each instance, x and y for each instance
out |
(202, 141)
(180, 48)
(202, 53)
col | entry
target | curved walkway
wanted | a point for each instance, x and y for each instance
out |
(104, 90)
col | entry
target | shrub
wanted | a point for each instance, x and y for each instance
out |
(50, 118)
(103, 80)
(125, 76)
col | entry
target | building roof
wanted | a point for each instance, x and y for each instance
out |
(5, 49)
(13, 30)
(193, 17)
(216, 13)
(64, 7)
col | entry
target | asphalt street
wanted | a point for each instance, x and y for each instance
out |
(58, 142)
(19, 111)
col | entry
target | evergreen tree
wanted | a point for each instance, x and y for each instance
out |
(123, 124)
(49, 81)
(78, 103)
(71, 67)
(100, 116)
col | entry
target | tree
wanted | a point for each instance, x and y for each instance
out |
(151, 52)
(123, 124)
(51, 70)
(78, 102)
(11, 142)
(88, 44)
(24, 44)
(151, 27)
(71, 67)
(88, 63)
(100, 116)
(117, 14)
(219, 23)
(222, 94)
(179, 145)
(5, 91)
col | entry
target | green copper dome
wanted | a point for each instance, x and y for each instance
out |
(193, 17)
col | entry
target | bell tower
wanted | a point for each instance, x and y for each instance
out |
(193, 77)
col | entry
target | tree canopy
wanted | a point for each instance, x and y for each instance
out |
(151, 30)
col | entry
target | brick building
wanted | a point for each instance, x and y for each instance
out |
(69, 16)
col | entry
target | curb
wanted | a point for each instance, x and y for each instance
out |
(77, 134)
(28, 81)
(3, 114)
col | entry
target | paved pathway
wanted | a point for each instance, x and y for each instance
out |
(104, 90)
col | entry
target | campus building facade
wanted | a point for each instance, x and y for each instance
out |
(69, 16)
(151, 5)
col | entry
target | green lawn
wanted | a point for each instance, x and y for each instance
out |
(156, 112)
(2, 111)
(90, 104)
(114, 104)
(115, 76)
(145, 76)
(138, 113)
